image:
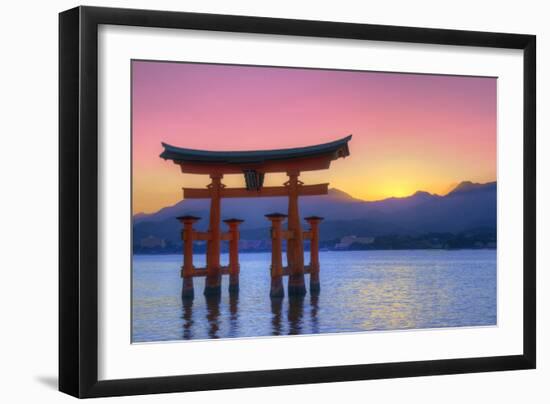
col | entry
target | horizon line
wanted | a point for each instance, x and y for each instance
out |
(453, 188)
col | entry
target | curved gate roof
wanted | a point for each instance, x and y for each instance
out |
(337, 148)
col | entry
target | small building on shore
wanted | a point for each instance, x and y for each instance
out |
(152, 242)
(347, 241)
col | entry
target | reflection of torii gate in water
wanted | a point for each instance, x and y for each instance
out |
(254, 165)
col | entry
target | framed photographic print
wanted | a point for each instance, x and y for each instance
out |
(250, 201)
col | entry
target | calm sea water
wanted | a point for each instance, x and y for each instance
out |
(360, 291)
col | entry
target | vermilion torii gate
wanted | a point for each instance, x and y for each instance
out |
(254, 165)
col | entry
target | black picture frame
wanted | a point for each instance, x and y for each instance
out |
(78, 201)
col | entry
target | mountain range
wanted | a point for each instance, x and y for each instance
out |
(468, 206)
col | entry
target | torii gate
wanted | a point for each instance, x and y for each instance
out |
(254, 165)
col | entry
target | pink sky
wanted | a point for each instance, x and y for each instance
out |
(410, 132)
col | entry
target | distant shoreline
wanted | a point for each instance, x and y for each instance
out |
(340, 251)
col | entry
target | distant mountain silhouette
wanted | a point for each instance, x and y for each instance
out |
(467, 186)
(467, 206)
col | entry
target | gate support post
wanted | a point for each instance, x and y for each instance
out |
(187, 291)
(212, 285)
(314, 285)
(234, 267)
(277, 289)
(295, 244)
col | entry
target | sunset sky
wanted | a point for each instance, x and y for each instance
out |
(410, 132)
